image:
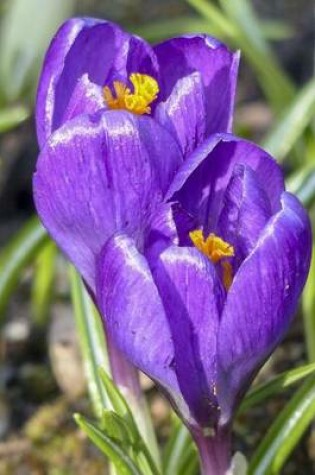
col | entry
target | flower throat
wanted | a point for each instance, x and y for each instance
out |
(145, 91)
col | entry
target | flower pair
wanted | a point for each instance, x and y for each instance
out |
(194, 252)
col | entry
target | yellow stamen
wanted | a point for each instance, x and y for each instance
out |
(227, 274)
(145, 92)
(216, 250)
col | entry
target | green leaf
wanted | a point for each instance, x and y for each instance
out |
(180, 444)
(277, 86)
(117, 400)
(290, 127)
(176, 425)
(308, 303)
(276, 30)
(242, 14)
(278, 384)
(247, 34)
(92, 341)
(42, 285)
(26, 30)
(285, 433)
(13, 116)
(160, 30)
(213, 14)
(116, 428)
(20, 251)
(121, 407)
(190, 462)
(114, 451)
(302, 184)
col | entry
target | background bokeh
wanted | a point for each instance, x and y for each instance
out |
(42, 379)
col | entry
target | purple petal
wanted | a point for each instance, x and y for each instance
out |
(170, 225)
(101, 174)
(192, 296)
(184, 113)
(86, 98)
(245, 212)
(97, 48)
(162, 231)
(52, 67)
(263, 299)
(197, 87)
(201, 181)
(133, 311)
(185, 223)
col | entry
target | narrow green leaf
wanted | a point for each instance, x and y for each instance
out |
(148, 460)
(116, 428)
(176, 425)
(121, 407)
(308, 303)
(92, 341)
(190, 462)
(242, 14)
(285, 433)
(26, 29)
(13, 116)
(214, 15)
(290, 127)
(42, 286)
(259, 394)
(276, 30)
(117, 400)
(250, 39)
(177, 448)
(20, 251)
(273, 80)
(160, 30)
(114, 451)
(302, 184)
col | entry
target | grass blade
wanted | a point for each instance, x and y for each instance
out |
(280, 439)
(20, 251)
(121, 407)
(278, 384)
(158, 31)
(161, 30)
(11, 117)
(179, 445)
(290, 127)
(277, 86)
(23, 45)
(92, 341)
(116, 428)
(302, 184)
(308, 303)
(250, 39)
(42, 285)
(213, 14)
(109, 447)
(116, 399)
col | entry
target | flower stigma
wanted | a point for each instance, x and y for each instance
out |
(145, 91)
(217, 250)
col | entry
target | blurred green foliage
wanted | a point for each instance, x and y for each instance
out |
(26, 30)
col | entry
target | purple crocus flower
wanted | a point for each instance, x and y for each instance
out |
(187, 84)
(196, 265)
